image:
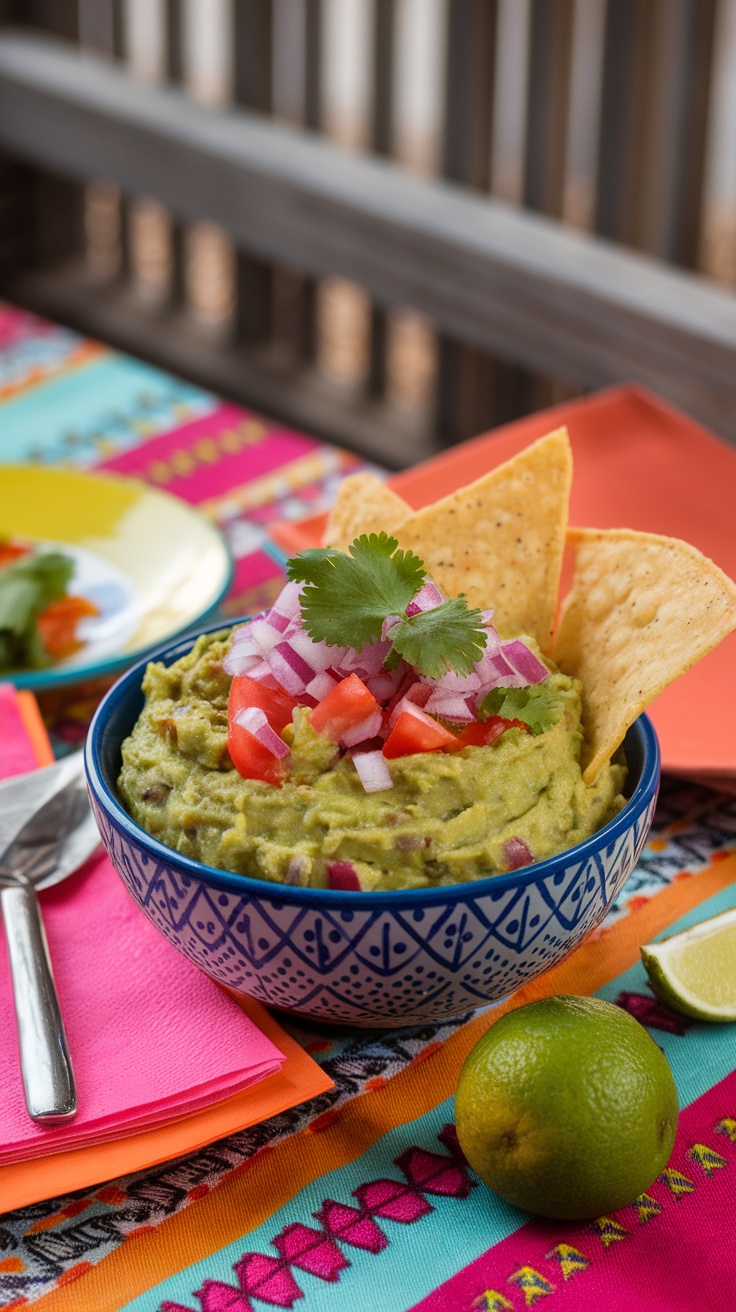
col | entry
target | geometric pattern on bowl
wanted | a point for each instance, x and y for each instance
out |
(382, 967)
(376, 959)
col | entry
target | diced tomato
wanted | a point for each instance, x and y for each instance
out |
(480, 734)
(345, 706)
(415, 731)
(10, 551)
(277, 705)
(57, 625)
(251, 758)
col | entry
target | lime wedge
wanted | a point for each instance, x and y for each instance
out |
(695, 972)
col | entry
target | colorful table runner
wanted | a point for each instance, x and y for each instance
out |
(361, 1198)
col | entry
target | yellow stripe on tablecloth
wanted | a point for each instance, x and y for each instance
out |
(266, 1182)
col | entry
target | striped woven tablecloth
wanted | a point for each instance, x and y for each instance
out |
(361, 1199)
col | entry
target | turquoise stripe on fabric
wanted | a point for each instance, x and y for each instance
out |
(106, 405)
(422, 1255)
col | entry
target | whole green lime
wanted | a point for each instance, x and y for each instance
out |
(566, 1107)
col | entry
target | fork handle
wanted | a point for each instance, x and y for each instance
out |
(46, 1066)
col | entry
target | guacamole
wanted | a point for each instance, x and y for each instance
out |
(449, 817)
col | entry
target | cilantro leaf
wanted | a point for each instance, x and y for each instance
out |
(348, 596)
(535, 705)
(449, 637)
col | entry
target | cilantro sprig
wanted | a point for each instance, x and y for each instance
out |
(535, 705)
(350, 594)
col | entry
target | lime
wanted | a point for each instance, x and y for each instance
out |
(695, 972)
(567, 1108)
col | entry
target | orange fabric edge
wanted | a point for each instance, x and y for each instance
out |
(265, 1183)
(35, 728)
(299, 1079)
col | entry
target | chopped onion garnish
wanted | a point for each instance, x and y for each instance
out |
(322, 683)
(372, 767)
(264, 635)
(416, 695)
(262, 674)
(384, 685)
(286, 608)
(244, 652)
(451, 706)
(524, 661)
(342, 875)
(297, 872)
(517, 853)
(390, 623)
(254, 720)
(427, 598)
(360, 733)
(292, 672)
(366, 663)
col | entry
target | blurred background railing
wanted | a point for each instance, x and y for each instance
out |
(611, 117)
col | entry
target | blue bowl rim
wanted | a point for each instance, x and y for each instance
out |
(336, 899)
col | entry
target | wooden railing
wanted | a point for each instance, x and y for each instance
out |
(524, 308)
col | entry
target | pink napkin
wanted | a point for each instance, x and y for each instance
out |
(151, 1038)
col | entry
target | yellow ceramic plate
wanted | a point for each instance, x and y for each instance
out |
(152, 564)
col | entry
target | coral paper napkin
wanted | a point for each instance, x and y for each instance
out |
(151, 1038)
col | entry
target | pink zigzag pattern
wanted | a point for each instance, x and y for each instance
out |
(305, 1248)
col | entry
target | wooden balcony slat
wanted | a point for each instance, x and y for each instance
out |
(510, 282)
(548, 103)
(253, 89)
(653, 126)
(382, 143)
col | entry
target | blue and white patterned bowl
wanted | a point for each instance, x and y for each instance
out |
(376, 959)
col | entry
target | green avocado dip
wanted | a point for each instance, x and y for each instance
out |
(448, 818)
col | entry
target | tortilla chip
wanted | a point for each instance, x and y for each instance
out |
(500, 540)
(641, 611)
(364, 505)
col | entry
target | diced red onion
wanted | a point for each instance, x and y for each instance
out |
(368, 728)
(451, 706)
(286, 607)
(316, 654)
(264, 635)
(244, 652)
(342, 875)
(461, 684)
(427, 598)
(292, 672)
(297, 659)
(366, 663)
(384, 685)
(262, 674)
(253, 719)
(295, 871)
(321, 684)
(240, 661)
(390, 623)
(487, 615)
(524, 661)
(517, 853)
(372, 767)
(418, 694)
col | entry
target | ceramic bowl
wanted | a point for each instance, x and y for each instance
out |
(369, 959)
